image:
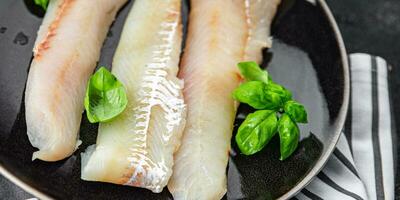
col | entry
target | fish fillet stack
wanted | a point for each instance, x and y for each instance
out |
(221, 34)
(148, 145)
(137, 147)
(65, 54)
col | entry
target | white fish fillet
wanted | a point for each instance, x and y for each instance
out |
(221, 34)
(137, 147)
(65, 54)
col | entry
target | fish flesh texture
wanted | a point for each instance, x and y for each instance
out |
(65, 54)
(137, 147)
(220, 34)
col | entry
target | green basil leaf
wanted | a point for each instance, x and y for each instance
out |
(42, 3)
(285, 94)
(296, 111)
(289, 134)
(252, 72)
(255, 94)
(270, 78)
(105, 97)
(256, 131)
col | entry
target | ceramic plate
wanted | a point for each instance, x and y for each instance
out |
(308, 57)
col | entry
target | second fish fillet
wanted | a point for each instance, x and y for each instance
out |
(137, 147)
(221, 34)
(65, 54)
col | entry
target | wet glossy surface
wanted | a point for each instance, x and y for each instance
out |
(305, 58)
(143, 139)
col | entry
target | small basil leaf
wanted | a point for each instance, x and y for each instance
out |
(256, 131)
(252, 72)
(42, 3)
(289, 134)
(285, 94)
(105, 97)
(255, 94)
(296, 111)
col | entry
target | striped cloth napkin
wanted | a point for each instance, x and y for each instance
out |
(363, 163)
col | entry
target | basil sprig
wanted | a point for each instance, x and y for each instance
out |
(105, 97)
(42, 3)
(276, 112)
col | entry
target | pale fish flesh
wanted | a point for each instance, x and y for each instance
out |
(65, 54)
(221, 34)
(137, 147)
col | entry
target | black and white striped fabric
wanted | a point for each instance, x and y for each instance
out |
(363, 163)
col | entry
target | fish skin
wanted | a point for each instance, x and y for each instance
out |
(220, 34)
(65, 54)
(137, 147)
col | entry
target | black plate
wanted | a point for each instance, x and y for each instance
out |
(308, 57)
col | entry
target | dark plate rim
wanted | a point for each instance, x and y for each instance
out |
(321, 161)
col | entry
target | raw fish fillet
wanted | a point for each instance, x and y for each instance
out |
(137, 147)
(65, 54)
(221, 34)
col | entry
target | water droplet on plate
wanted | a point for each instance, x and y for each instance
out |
(3, 29)
(21, 39)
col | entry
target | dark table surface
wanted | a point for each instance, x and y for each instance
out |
(368, 26)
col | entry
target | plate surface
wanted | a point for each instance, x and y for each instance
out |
(308, 57)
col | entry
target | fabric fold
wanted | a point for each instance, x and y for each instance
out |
(362, 165)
